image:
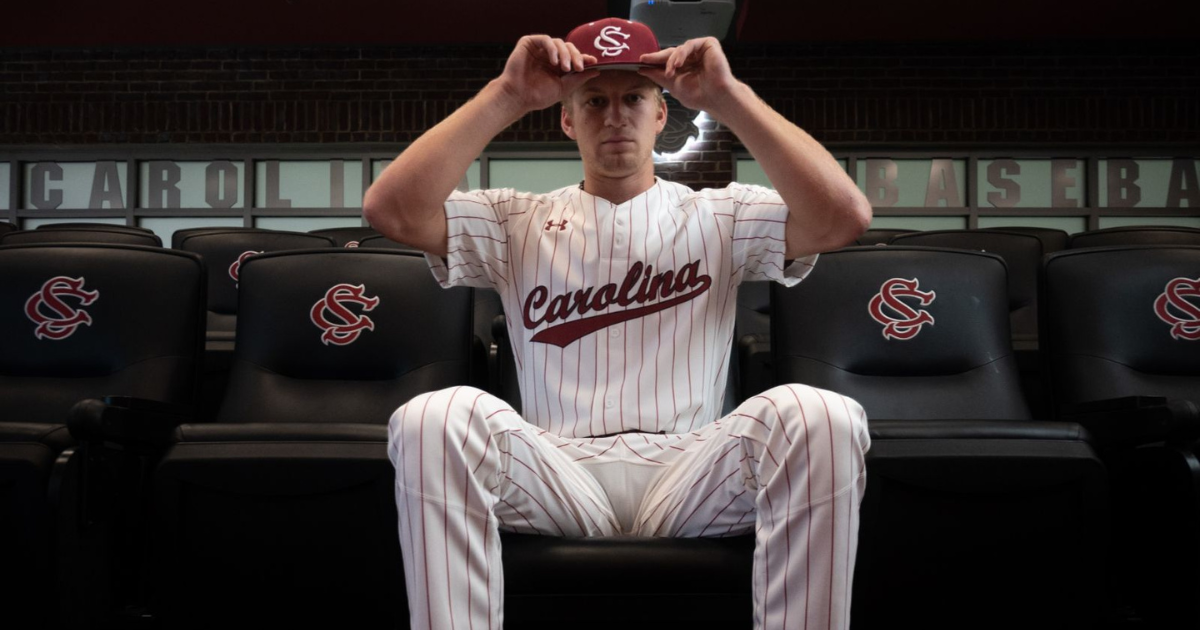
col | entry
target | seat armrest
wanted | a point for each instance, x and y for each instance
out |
(137, 424)
(1136, 420)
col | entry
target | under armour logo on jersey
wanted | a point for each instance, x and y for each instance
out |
(1174, 308)
(607, 45)
(236, 267)
(561, 225)
(901, 321)
(351, 244)
(55, 318)
(342, 326)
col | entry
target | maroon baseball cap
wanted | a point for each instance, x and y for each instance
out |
(615, 43)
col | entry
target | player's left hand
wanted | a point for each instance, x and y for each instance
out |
(696, 72)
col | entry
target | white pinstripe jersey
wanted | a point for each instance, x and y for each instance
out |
(621, 316)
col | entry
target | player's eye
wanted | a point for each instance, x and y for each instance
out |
(634, 98)
(595, 101)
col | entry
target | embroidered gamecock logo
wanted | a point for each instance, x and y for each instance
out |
(341, 325)
(236, 267)
(351, 244)
(55, 318)
(901, 321)
(1174, 308)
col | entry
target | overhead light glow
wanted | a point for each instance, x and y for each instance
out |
(692, 141)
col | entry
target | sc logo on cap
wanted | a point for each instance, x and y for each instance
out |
(607, 45)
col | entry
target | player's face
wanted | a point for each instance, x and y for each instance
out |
(615, 118)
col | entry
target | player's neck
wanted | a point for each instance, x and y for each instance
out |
(618, 190)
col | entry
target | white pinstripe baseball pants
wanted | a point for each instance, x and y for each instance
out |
(787, 464)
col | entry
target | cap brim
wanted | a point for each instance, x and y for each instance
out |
(623, 66)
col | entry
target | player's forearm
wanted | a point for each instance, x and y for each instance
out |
(827, 210)
(411, 191)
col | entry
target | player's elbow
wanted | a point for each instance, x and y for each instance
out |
(852, 218)
(383, 214)
(374, 211)
(858, 217)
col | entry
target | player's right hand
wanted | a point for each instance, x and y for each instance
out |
(542, 71)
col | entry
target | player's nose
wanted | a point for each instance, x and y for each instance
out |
(615, 115)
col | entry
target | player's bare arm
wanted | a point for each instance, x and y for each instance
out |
(826, 210)
(406, 202)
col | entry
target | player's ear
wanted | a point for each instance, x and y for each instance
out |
(568, 125)
(661, 120)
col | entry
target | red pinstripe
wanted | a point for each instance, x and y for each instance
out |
(424, 539)
(833, 492)
(445, 506)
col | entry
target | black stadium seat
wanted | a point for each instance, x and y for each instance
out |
(1022, 254)
(72, 225)
(1122, 328)
(1136, 235)
(178, 236)
(224, 250)
(287, 502)
(6, 227)
(87, 234)
(347, 236)
(908, 332)
(78, 321)
(879, 236)
(974, 514)
(1052, 239)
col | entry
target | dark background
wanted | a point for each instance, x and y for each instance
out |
(925, 74)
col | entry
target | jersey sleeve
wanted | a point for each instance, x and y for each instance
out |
(760, 217)
(477, 240)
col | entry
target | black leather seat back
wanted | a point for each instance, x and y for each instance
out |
(344, 335)
(879, 236)
(1052, 239)
(88, 320)
(178, 236)
(1136, 235)
(753, 309)
(90, 234)
(6, 227)
(1022, 253)
(347, 236)
(83, 225)
(1123, 321)
(224, 250)
(909, 332)
(384, 242)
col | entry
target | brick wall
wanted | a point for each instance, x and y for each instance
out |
(874, 94)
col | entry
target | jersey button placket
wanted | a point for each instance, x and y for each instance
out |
(621, 231)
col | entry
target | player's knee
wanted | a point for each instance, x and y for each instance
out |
(439, 414)
(842, 414)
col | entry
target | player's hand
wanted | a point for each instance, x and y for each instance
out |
(542, 70)
(696, 72)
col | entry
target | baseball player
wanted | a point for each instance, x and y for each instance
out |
(620, 293)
